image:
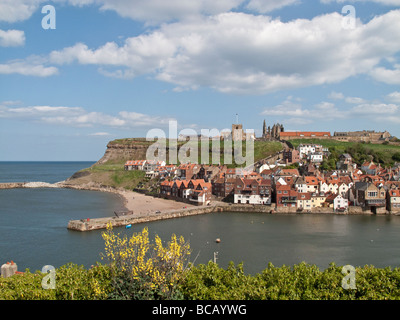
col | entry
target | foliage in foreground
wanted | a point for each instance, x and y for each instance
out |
(73, 282)
(143, 270)
(300, 282)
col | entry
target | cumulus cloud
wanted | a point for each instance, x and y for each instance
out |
(79, 117)
(389, 76)
(149, 11)
(18, 10)
(28, 67)
(100, 134)
(354, 100)
(394, 97)
(383, 2)
(336, 95)
(287, 108)
(272, 54)
(12, 38)
(372, 111)
(264, 6)
(159, 11)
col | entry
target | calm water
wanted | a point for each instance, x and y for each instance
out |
(33, 229)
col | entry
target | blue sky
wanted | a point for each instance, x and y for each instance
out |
(119, 68)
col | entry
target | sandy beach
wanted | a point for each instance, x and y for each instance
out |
(142, 204)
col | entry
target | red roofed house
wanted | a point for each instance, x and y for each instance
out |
(252, 191)
(135, 165)
(165, 188)
(187, 170)
(201, 194)
(312, 183)
(304, 201)
(337, 202)
(393, 200)
(304, 135)
(286, 196)
(195, 191)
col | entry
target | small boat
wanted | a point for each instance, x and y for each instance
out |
(128, 226)
(218, 240)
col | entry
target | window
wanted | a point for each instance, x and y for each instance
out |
(372, 194)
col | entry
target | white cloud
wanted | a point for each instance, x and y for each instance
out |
(372, 109)
(79, 117)
(394, 97)
(18, 10)
(157, 11)
(28, 67)
(272, 54)
(296, 114)
(354, 100)
(336, 95)
(100, 134)
(383, 2)
(12, 38)
(287, 108)
(264, 6)
(149, 11)
(389, 76)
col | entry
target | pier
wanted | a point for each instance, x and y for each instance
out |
(18, 185)
(120, 221)
(12, 185)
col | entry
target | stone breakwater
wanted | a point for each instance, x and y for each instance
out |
(61, 184)
(17, 185)
(12, 185)
(101, 223)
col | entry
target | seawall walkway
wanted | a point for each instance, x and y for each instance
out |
(101, 223)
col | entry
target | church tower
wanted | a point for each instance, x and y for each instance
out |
(264, 132)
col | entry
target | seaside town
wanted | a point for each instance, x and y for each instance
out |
(291, 181)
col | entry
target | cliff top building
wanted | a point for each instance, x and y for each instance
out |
(272, 133)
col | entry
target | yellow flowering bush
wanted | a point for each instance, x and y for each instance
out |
(144, 270)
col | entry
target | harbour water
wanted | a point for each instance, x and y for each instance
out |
(33, 229)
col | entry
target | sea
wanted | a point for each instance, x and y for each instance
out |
(33, 229)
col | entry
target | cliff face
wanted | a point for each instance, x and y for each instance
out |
(109, 171)
(125, 149)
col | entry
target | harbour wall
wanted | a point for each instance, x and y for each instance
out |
(101, 223)
(12, 185)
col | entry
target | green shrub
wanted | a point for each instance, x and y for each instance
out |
(300, 282)
(73, 282)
